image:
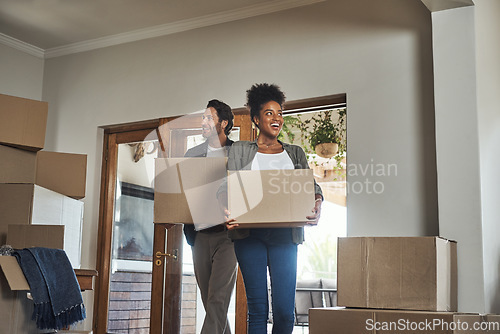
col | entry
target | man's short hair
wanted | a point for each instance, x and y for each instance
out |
(224, 112)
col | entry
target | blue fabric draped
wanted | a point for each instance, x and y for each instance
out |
(53, 286)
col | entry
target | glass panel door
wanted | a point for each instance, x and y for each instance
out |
(132, 241)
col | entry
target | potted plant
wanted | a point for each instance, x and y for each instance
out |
(326, 134)
(323, 134)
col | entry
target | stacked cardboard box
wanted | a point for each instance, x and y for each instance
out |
(418, 273)
(37, 187)
(40, 202)
(396, 285)
(23, 122)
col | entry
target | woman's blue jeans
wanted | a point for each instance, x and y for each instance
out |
(255, 254)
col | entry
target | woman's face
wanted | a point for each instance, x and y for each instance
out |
(270, 119)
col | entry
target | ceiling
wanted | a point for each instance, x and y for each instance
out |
(55, 27)
(51, 28)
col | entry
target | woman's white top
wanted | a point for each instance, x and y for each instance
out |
(270, 161)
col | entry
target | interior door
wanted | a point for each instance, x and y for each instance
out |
(124, 257)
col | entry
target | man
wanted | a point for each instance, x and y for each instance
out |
(213, 252)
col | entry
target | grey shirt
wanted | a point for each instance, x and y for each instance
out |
(240, 157)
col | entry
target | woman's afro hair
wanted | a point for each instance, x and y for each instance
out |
(260, 94)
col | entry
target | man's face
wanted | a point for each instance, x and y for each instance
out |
(210, 123)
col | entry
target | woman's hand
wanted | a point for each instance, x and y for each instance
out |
(230, 225)
(313, 219)
(222, 198)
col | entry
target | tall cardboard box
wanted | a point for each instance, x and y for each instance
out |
(371, 321)
(270, 198)
(31, 204)
(64, 173)
(16, 308)
(186, 191)
(23, 122)
(408, 273)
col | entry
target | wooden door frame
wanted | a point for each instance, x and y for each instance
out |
(113, 135)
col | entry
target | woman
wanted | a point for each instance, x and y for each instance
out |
(274, 248)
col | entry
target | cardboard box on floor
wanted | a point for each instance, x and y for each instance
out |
(371, 321)
(64, 173)
(16, 308)
(24, 204)
(270, 198)
(408, 273)
(23, 122)
(186, 190)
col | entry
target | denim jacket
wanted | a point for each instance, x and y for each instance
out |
(240, 157)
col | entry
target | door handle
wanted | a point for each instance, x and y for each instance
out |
(159, 255)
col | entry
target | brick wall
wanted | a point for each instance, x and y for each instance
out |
(188, 312)
(130, 303)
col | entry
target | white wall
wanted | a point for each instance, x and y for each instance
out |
(457, 146)
(20, 73)
(488, 105)
(379, 53)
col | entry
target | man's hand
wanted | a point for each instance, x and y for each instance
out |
(230, 225)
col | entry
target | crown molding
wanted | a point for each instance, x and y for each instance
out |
(179, 26)
(22, 46)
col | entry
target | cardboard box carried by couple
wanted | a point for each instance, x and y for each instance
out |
(186, 192)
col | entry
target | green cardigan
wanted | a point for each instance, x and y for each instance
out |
(240, 157)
